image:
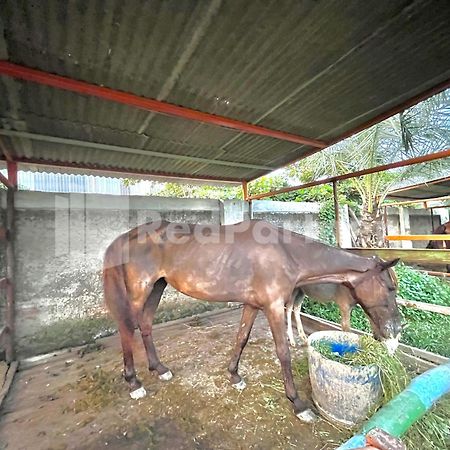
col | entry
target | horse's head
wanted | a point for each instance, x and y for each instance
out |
(375, 291)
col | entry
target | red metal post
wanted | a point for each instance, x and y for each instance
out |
(337, 223)
(245, 190)
(12, 173)
(148, 104)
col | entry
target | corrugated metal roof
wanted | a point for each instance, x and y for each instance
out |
(314, 68)
(425, 190)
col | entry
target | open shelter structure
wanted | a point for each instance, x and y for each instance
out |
(223, 91)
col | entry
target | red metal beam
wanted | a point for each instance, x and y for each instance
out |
(395, 110)
(405, 162)
(391, 112)
(148, 104)
(124, 172)
(3, 283)
(5, 181)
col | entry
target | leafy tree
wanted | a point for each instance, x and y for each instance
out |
(423, 129)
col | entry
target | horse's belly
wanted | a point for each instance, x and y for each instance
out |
(206, 289)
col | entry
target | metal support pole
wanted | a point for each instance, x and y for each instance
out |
(10, 300)
(245, 190)
(432, 219)
(12, 173)
(386, 226)
(337, 228)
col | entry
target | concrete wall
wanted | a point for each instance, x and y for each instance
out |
(61, 239)
(417, 221)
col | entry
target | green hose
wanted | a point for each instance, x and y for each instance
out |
(410, 405)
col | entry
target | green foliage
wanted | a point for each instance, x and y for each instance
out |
(327, 219)
(421, 287)
(199, 191)
(422, 329)
(267, 184)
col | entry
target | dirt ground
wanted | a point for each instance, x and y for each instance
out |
(78, 400)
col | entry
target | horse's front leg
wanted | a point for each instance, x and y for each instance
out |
(275, 316)
(247, 320)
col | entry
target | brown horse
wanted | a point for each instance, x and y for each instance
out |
(252, 262)
(441, 229)
(325, 293)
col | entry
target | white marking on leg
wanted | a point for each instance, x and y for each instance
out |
(307, 416)
(290, 333)
(240, 386)
(298, 321)
(138, 393)
(166, 376)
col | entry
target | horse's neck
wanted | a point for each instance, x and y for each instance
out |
(316, 258)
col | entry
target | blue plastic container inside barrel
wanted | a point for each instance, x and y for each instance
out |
(343, 394)
(342, 348)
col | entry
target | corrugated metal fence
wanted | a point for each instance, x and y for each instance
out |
(89, 184)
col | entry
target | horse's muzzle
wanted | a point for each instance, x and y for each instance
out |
(392, 344)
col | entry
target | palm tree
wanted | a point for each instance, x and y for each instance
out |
(422, 129)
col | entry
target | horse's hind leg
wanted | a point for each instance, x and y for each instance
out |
(297, 310)
(145, 320)
(116, 299)
(126, 337)
(248, 318)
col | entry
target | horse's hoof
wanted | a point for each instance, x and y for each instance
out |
(240, 386)
(166, 376)
(307, 416)
(138, 393)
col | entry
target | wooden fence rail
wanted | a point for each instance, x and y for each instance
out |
(430, 307)
(408, 255)
(418, 237)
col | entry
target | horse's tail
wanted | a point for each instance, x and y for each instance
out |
(114, 285)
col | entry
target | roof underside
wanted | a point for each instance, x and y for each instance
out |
(319, 69)
(423, 191)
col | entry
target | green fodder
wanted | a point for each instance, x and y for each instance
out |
(394, 377)
(432, 431)
(300, 367)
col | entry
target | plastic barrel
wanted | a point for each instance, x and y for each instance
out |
(343, 394)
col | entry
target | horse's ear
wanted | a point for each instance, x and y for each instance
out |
(384, 265)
